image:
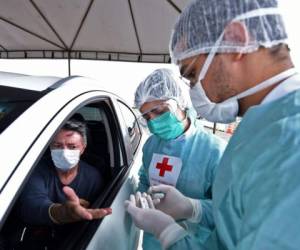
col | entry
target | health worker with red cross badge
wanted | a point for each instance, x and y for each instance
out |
(179, 153)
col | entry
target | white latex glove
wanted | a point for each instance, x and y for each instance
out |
(148, 219)
(175, 203)
(154, 221)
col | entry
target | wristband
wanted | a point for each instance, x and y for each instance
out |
(50, 215)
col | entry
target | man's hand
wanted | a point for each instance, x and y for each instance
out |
(174, 203)
(75, 209)
(84, 203)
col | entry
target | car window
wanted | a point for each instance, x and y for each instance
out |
(92, 113)
(5, 108)
(98, 136)
(132, 125)
(13, 102)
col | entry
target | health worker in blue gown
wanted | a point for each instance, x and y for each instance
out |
(179, 152)
(236, 57)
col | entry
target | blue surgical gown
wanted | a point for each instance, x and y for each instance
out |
(256, 194)
(200, 152)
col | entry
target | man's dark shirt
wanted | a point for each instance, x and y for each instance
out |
(44, 188)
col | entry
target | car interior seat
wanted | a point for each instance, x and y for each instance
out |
(96, 152)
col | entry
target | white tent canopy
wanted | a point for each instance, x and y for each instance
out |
(117, 30)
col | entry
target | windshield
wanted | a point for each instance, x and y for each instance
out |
(13, 102)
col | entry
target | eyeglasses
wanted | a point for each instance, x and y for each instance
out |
(157, 110)
(187, 71)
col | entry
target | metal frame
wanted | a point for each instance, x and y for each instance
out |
(174, 6)
(84, 55)
(3, 47)
(135, 29)
(81, 24)
(31, 33)
(48, 22)
(65, 52)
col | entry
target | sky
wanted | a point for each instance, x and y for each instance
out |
(122, 77)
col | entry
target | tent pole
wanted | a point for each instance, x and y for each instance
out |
(69, 63)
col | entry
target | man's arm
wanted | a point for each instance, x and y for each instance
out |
(271, 203)
(205, 218)
(34, 201)
(36, 208)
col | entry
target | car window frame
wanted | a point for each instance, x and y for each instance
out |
(135, 140)
(98, 96)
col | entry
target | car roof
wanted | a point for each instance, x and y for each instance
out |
(36, 83)
(42, 83)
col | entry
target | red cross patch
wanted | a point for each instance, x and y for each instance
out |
(164, 169)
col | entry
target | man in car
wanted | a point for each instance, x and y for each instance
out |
(61, 188)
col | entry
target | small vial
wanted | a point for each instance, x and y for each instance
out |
(158, 196)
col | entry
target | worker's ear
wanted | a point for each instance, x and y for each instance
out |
(237, 33)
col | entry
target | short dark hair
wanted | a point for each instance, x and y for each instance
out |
(77, 126)
(280, 52)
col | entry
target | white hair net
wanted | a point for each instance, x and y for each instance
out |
(161, 84)
(203, 22)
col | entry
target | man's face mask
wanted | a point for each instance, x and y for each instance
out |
(65, 159)
(227, 111)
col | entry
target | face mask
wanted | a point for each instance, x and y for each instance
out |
(65, 159)
(166, 126)
(227, 111)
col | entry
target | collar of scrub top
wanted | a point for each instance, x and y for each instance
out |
(287, 86)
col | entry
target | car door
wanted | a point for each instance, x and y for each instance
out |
(118, 231)
(115, 193)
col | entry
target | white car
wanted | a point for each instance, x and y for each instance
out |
(32, 110)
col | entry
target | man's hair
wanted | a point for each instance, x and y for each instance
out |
(280, 52)
(76, 126)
